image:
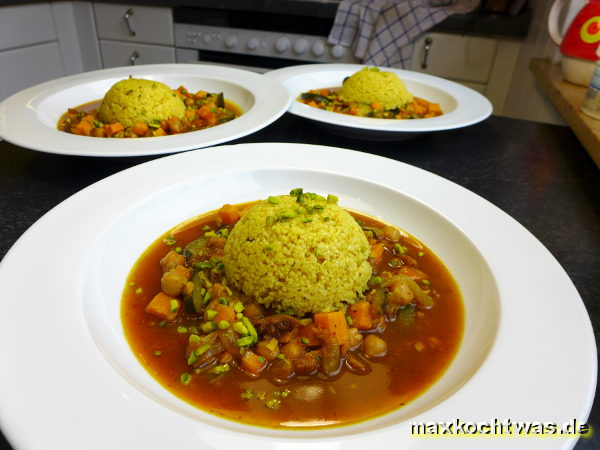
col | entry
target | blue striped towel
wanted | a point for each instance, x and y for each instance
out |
(382, 32)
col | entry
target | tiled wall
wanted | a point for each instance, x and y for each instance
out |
(525, 100)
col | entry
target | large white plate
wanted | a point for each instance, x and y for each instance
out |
(461, 105)
(29, 118)
(68, 379)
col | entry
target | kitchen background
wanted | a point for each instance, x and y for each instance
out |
(488, 50)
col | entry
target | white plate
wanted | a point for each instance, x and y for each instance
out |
(29, 118)
(461, 105)
(528, 353)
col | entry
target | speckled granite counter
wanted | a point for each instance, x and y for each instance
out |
(537, 173)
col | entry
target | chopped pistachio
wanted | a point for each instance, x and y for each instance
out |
(185, 378)
(208, 327)
(244, 341)
(181, 329)
(211, 314)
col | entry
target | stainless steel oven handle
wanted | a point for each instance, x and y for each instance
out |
(127, 16)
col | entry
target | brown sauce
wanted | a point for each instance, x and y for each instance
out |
(418, 353)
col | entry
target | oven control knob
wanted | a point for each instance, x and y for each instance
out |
(282, 44)
(231, 41)
(253, 44)
(300, 46)
(337, 51)
(206, 38)
(318, 48)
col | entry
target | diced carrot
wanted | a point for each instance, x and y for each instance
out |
(434, 108)
(361, 315)
(175, 125)
(159, 132)
(204, 112)
(324, 92)
(253, 363)
(216, 242)
(418, 109)
(377, 252)
(224, 312)
(421, 101)
(353, 111)
(229, 214)
(376, 106)
(140, 128)
(83, 128)
(113, 128)
(334, 323)
(164, 306)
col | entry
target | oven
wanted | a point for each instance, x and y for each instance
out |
(258, 36)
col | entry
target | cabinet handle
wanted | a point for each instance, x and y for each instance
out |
(135, 55)
(128, 14)
(428, 42)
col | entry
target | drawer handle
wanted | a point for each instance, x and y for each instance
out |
(135, 55)
(428, 42)
(128, 14)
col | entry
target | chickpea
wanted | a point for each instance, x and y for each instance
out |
(171, 260)
(374, 346)
(269, 349)
(172, 283)
(293, 350)
(400, 293)
(253, 310)
(392, 233)
(355, 338)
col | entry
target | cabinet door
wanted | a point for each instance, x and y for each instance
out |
(461, 58)
(148, 24)
(117, 54)
(25, 25)
(21, 68)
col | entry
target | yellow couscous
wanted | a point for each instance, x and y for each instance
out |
(139, 100)
(371, 85)
(300, 253)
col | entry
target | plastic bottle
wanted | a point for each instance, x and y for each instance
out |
(591, 101)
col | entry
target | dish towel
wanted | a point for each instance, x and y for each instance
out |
(382, 32)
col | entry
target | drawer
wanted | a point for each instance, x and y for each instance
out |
(457, 57)
(117, 54)
(25, 67)
(151, 25)
(26, 25)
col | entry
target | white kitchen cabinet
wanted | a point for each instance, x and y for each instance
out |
(29, 50)
(484, 64)
(133, 34)
(118, 54)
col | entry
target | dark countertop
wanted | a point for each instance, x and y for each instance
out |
(537, 173)
(475, 23)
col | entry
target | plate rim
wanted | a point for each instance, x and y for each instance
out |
(219, 156)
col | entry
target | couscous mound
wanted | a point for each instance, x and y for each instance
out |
(371, 85)
(300, 253)
(138, 100)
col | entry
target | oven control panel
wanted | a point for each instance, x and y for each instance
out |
(299, 47)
